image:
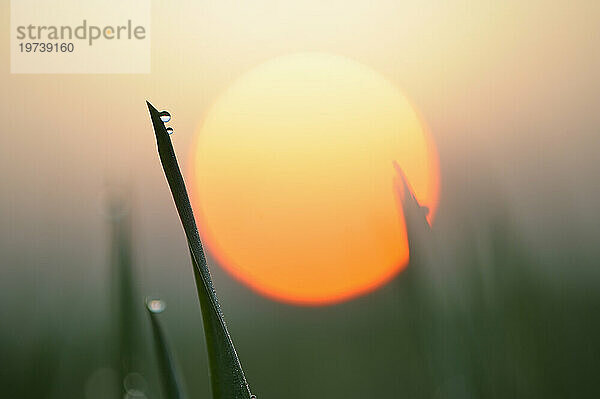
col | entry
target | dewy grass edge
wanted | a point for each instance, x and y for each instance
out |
(226, 374)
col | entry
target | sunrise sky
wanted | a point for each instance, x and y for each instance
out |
(503, 301)
(507, 89)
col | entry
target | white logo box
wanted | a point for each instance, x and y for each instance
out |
(75, 36)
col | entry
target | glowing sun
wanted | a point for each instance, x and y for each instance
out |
(293, 178)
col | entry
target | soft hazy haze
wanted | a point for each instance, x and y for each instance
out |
(509, 90)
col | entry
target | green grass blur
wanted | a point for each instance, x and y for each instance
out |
(478, 313)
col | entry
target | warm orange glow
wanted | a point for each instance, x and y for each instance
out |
(293, 178)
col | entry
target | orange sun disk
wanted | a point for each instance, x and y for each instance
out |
(293, 178)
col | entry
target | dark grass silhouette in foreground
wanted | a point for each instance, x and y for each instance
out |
(226, 374)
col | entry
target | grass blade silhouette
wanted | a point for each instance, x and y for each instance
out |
(226, 374)
(418, 229)
(170, 379)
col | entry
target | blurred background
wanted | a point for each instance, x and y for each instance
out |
(505, 303)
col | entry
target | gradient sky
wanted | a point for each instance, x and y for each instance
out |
(509, 90)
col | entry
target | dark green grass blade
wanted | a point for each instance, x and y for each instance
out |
(169, 376)
(226, 375)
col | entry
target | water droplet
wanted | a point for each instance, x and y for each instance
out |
(252, 396)
(170, 130)
(165, 116)
(156, 305)
(135, 385)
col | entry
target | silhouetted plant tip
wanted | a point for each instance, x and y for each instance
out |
(168, 373)
(226, 374)
(417, 225)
